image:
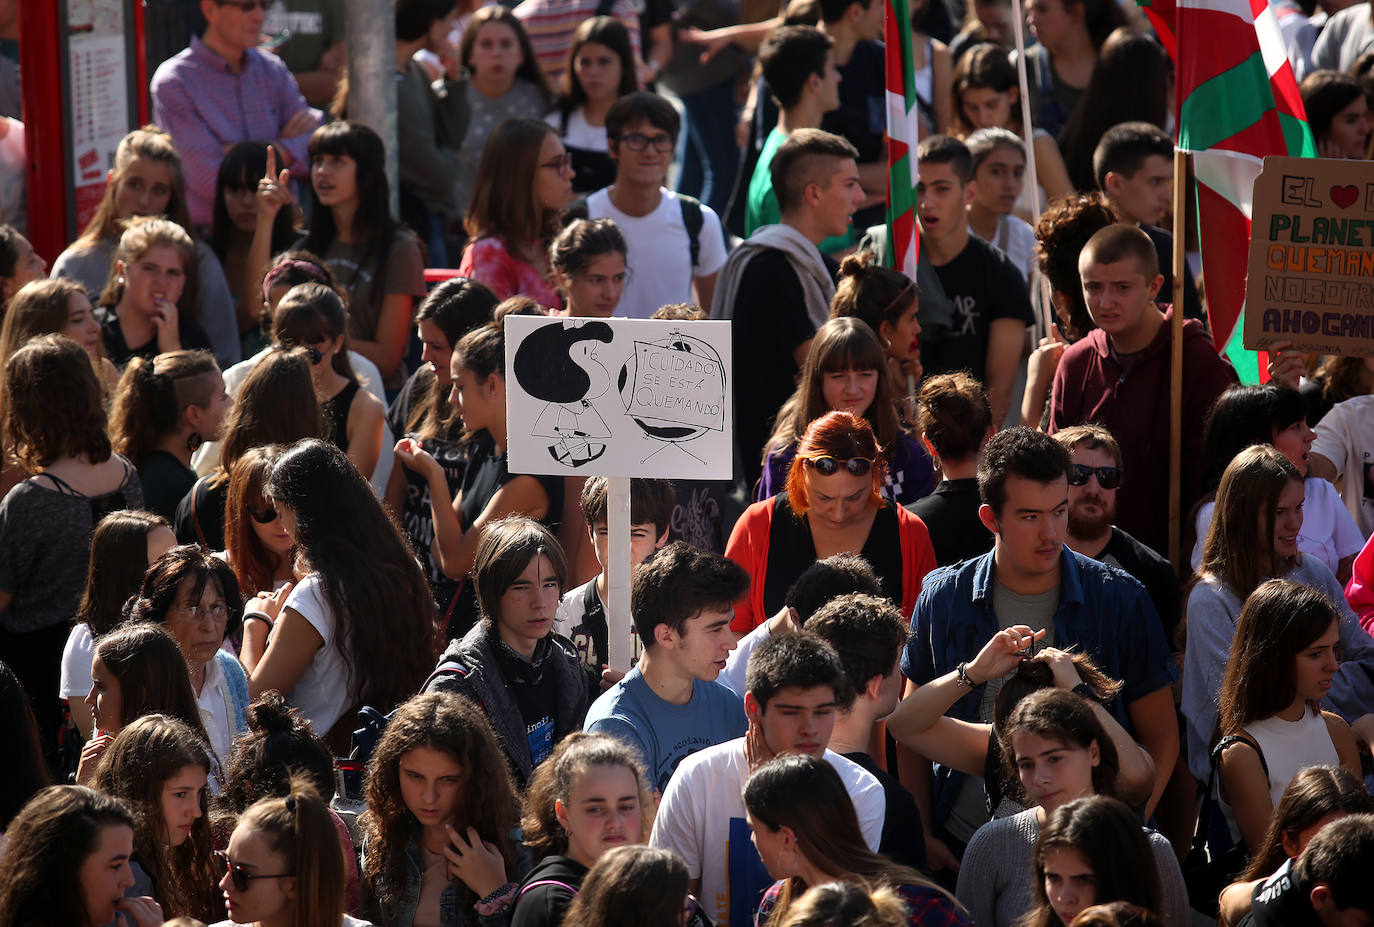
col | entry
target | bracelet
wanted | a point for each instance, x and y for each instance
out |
(964, 679)
(248, 616)
(497, 901)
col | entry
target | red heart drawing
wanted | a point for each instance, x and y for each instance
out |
(1344, 196)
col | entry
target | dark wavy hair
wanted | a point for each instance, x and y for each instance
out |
(161, 588)
(119, 558)
(455, 726)
(382, 604)
(1064, 228)
(47, 843)
(55, 406)
(135, 768)
(555, 778)
(629, 887)
(1060, 715)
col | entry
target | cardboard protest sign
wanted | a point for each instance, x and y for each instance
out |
(1311, 272)
(619, 397)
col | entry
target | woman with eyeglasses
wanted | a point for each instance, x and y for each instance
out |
(847, 369)
(524, 182)
(588, 260)
(1276, 415)
(276, 404)
(194, 597)
(832, 504)
(284, 866)
(312, 315)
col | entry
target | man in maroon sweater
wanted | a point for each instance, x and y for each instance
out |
(1118, 377)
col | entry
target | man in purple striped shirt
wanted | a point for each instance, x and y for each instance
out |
(221, 91)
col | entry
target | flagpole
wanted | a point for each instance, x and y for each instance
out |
(1176, 363)
(1018, 27)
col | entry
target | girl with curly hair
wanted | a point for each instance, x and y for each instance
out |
(67, 863)
(283, 866)
(589, 797)
(440, 827)
(160, 767)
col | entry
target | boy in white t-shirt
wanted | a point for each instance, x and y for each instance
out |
(1344, 451)
(795, 682)
(581, 615)
(676, 243)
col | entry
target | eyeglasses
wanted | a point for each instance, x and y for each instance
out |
(263, 516)
(1107, 477)
(195, 614)
(241, 877)
(559, 164)
(636, 141)
(247, 6)
(826, 465)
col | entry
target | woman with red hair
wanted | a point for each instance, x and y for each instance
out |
(833, 504)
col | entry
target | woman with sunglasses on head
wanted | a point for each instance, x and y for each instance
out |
(146, 180)
(846, 369)
(524, 182)
(1254, 537)
(276, 405)
(832, 504)
(372, 256)
(284, 867)
(600, 70)
(194, 597)
(258, 548)
(313, 316)
(1276, 415)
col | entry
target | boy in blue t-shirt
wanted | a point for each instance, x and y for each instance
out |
(670, 706)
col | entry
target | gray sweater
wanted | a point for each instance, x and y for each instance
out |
(995, 876)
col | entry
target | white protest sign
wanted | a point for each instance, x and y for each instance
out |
(619, 398)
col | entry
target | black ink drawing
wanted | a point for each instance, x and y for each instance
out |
(557, 363)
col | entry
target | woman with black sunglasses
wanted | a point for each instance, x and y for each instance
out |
(284, 866)
(832, 504)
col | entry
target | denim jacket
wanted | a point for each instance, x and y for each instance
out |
(1102, 610)
(452, 911)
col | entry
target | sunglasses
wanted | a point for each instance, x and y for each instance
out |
(263, 516)
(1107, 477)
(240, 877)
(826, 465)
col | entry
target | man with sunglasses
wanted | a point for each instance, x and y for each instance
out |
(222, 90)
(1097, 472)
(1118, 376)
(1031, 578)
(676, 243)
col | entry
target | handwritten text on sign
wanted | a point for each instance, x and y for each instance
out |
(1311, 271)
(674, 385)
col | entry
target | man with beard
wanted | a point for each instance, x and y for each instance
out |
(1096, 474)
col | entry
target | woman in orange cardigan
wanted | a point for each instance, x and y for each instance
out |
(833, 504)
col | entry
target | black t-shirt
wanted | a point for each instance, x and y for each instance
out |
(1281, 901)
(536, 695)
(983, 285)
(903, 838)
(543, 899)
(200, 515)
(192, 336)
(862, 114)
(770, 321)
(1164, 247)
(166, 480)
(951, 515)
(1154, 573)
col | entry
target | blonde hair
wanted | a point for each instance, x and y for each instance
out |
(148, 143)
(139, 236)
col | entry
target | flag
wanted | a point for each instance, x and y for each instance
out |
(1237, 103)
(903, 130)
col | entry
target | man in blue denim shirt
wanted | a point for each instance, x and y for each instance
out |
(1030, 577)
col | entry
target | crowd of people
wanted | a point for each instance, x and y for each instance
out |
(285, 642)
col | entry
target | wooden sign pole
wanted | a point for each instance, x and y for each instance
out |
(1176, 364)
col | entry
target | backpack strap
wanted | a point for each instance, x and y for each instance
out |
(447, 668)
(692, 220)
(540, 882)
(1232, 739)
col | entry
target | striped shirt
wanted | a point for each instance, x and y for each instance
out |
(550, 24)
(206, 108)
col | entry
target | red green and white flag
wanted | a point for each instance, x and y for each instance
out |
(903, 124)
(1238, 102)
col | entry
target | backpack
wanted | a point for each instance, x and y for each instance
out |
(692, 220)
